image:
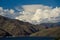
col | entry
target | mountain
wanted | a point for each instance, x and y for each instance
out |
(51, 24)
(17, 28)
(4, 33)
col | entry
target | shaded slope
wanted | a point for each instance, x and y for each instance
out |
(3, 33)
(16, 27)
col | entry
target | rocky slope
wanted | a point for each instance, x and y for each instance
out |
(15, 28)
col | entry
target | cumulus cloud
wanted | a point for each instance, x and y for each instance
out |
(37, 14)
(32, 8)
(9, 13)
(34, 14)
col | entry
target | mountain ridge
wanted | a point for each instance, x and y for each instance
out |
(17, 28)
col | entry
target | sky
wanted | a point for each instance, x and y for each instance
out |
(32, 11)
(14, 3)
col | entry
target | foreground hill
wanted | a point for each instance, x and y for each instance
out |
(50, 32)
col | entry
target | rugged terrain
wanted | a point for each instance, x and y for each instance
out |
(16, 28)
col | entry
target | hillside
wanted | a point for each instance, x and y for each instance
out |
(50, 32)
(17, 28)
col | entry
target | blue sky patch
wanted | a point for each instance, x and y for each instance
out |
(14, 3)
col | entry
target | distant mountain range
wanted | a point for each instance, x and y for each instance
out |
(16, 28)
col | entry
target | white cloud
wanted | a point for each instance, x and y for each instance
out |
(1, 8)
(32, 8)
(39, 14)
(7, 12)
(11, 11)
(34, 14)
